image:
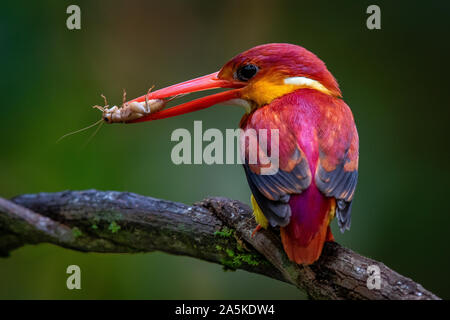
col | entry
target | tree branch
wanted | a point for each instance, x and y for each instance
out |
(215, 229)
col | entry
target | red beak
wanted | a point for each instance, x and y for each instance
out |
(207, 82)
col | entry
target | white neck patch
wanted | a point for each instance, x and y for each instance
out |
(304, 82)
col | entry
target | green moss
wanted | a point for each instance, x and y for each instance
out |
(225, 232)
(228, 265)
(251, 259)
(230, 253)
(235, 260)
(76, 232)
(106, 216)
(114, 227)
(94, 226)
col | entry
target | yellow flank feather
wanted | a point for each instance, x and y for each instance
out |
(259, 216)
(332, 211)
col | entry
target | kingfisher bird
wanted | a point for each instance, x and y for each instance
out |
(288, 88)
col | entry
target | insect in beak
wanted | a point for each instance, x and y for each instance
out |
(130, 111)
(207, 82)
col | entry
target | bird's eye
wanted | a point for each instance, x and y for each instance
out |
(246, 72)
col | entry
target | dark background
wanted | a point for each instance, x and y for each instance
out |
(394, 79)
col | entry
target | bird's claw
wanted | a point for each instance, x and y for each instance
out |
(256, 230)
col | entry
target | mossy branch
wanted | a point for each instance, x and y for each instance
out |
(215, 229)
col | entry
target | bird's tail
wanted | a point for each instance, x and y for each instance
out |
(303, 238)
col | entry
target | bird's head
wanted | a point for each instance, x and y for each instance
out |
(273, 70)
(256, 77)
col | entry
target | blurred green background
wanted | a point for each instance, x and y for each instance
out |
(394, 79)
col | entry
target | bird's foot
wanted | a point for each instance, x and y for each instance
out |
(256, 230)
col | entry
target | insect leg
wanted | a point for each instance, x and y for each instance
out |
(147, 107)
(124, 97)
(104, 98)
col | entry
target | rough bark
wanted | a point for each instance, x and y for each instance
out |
(216, 229)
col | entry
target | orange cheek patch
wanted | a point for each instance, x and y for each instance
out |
(265, 91)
